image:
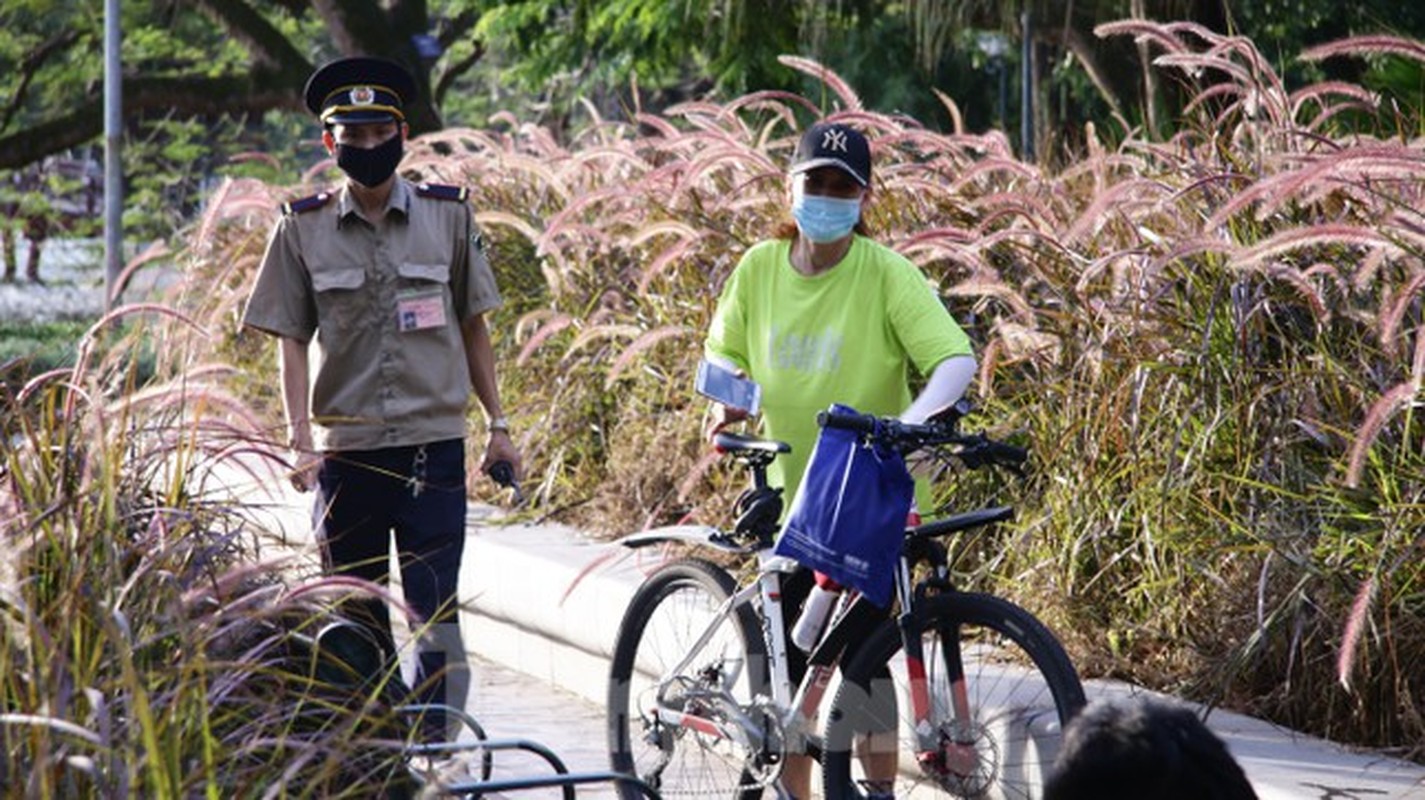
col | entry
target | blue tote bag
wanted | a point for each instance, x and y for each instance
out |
(849, 515)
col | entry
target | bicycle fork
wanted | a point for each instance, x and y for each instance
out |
(937, 752)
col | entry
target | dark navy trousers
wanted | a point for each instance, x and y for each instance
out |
(417, 494)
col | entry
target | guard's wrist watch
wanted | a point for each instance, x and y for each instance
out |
(498, 424)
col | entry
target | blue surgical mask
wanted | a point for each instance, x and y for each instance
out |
(824, 219)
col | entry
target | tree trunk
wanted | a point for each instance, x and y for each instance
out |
(181, 96)
(36, 230)
(7, 243)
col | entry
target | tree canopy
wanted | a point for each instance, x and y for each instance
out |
(207, 74)
(236, 57)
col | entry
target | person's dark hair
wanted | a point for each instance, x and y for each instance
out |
(1140, 749)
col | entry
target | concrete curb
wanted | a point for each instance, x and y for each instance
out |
(547, 601)
(543, 603)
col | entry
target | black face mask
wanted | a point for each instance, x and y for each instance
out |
(370, 166)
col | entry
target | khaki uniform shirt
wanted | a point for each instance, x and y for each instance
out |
(384, 304)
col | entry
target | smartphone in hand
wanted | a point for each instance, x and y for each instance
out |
(724, 385)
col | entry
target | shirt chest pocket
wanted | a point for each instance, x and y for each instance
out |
(341, 301)
(423, 275)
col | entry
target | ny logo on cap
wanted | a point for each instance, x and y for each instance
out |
(363, 96)
(834, 140)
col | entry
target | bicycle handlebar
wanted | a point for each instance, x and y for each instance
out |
(975, 450)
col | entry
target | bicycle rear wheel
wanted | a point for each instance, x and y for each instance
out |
(1011, 680)
(654, 716)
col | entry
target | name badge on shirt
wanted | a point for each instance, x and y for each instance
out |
(418, 311)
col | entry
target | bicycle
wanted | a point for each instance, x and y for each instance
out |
(699, 698)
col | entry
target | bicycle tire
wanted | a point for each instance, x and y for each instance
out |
(1021, 688)
(663, 619)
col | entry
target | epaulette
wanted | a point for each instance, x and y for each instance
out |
(441, 191)
(305, 204)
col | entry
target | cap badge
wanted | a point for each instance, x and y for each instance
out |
(363, 96)
(834, 140)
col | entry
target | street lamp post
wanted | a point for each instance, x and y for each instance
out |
(1026, 88)
(113, 169)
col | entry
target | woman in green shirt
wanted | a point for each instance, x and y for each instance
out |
(823, 314)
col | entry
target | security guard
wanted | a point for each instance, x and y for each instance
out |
(388, 283)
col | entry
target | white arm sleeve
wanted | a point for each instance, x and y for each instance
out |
(947, 384)
(723, 361)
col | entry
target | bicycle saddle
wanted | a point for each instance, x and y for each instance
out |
(732, 442)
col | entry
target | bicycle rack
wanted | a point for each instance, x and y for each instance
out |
(566, 780)
(561, 776)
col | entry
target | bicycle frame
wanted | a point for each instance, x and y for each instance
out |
(747, 731)
(794, 710)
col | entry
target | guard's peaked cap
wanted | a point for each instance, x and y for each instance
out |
(360, 89)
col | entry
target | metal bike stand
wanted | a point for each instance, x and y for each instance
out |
(485, 784)
(459, 714)
(566, 780)
(436, 749)
(487, 747)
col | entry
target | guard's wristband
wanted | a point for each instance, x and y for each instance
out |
(498, 424)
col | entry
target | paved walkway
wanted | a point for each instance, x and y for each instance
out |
(509, 704)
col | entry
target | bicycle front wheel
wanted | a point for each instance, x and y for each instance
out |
(999, 688)
(686, 731)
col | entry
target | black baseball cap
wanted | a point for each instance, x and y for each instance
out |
(360, 89)
(831, 144)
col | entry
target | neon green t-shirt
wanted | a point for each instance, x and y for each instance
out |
(846, 336)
